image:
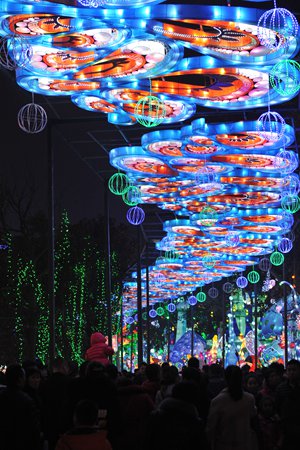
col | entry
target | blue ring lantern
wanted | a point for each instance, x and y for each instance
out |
(227, 287)
(271, 125)
(171, 307)
(213, 292)
(152, 313)
(232, 239)
(291, 185)
(285, 245)
(286, 161)
(129, 320)
(135, 215)
(242, 282)
(275, 28)
(192, 300)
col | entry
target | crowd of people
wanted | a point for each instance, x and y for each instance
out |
(97, 407)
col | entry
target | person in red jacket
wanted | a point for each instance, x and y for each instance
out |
(99, 349)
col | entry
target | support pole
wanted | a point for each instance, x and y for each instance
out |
(108, 265)
(139, 301)
(224, 327)
(122, 337)
(192, 331)
(148, 306)
(285, 320)
(255, 328)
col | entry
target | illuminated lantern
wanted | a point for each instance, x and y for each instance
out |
(241, 282)
(201, 297)
(264, 264)
(290, 203)
(227, 287)
(232, 239)
(129, 320)
(192, 300)
(135, 215)
(118, 183)
(285, 245)
(286, 161)
(150, 111)
(166, 244)
(276, 27)
(270, 125)
(213, 292)
(132, 196)
(159, 279)
(152, 313)
(172, 255)
(15, 51)
(205, 175)
(290, 185)
(285, 77)
(207, 216)
(276, 258)
(287, 220)
(160, 311)
(171, 307)
(209, 262)
(253, 277)
(32, 118)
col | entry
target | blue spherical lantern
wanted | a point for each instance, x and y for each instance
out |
(285, 245)
(135, 215)
(232, 239)
(205, 175)
(241, 282)
(270, 125)
(276, 27)
(290, 185)
(192, 300)
(286, 161)
(285, 77)
(129, 320)
(171, 307)
(264, 264)
(227, 287)
(287, 220)
(213, 292)
(152, 313)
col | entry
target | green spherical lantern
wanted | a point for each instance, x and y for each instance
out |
(285, 77)
(209, 261)
(201, 297)
(132, 196)
(253, 277)
(290, 203)
(172, 255)
(276, 258)
(150, 111)
(160, 311)
(119, 183)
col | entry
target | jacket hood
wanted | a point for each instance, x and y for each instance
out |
(97, 337)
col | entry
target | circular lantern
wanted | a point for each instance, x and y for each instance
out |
(192, 300)
(270, 125)
(253, 277)
(287, 220)
(285, 245)
(227, 287)
(150, 111)
(290, 203)
(208, 261)
(118, 183)
(129, 320)
(232, 239)
(201, 297)
(132, 196)
(205, 175)
(241, 282)
(15, 51)
(213, 292)
(290, 185)
(285, 77)
(171, 307)
(276, 27)
(276, 258)
(32, 118)
(152, 313)
(264, 264)
(135, 215)
(286, 161)
(172, 255)
(160, 311)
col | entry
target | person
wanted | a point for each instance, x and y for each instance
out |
(99, 349)
(231, 414)
(152, 381)
(269, 425)
(169, 377)
(85, 434)
(252, 385)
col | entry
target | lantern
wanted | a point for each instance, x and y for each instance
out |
(192, 300)
(15, 51)
(132, 196)
(209, 262)
(201, 297)
(276, 27)
(135, 215)
(205, 175)
(150, 111)
(290, 185)
(286, 161)
(227, 287)
(264, 264)
(285, 77)
(171, 307)
(276, 258)
(285, 245)
(172, 255)
(118, 183)
(32, 118)
(290, 203)
(213, 292)
(160, 311)
(129, 320)
(253, 277)
(232, 239)
(152, 313)
(241, 282)
(270, 125)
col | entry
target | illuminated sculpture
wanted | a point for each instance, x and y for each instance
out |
(276, 258)
(132, 196)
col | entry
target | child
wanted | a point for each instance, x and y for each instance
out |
(99, 349)
(269, 426)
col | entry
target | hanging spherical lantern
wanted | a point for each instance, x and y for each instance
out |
(253, 277)
(209, 261)
(129, 320)
(241, 282)
(135, 215)
(270, 126)
(172, 255)
(276, 258)
(227, 287)
(207, 217)
(118, 183)
(287, 220)
(132, 196)
(213, 292)
(290, 203)
(171, 307)
(15, 51)
(32, 118)
(201, 297)
(192, 300)
(166, 244)
(290, 185)
(276, 28)
(264, 264)
(232, 239)
(286, 161)
(160, 311)
(152, 313)
(150, 111)
(205, 175)
(285, 77)
(285, 245)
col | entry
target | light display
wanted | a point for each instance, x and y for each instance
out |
(290, 203)
(285, 245)
(150, 111)
(213, 292)
(271, 126)
(132, 196)
(241, 282)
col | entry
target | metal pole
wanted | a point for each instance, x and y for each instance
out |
(255, 328)
(122, 337)
(108, 264)
(224, 327)
(192, 333)
(51, 252)
(285, 321)
(148, 307)
(139, 302)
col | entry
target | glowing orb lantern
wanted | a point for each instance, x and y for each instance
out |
(253, 277)
(276, 27)
(201, 297)
(15, 51)
(207, 216)
(192, 300)
(290, 203)
(208, 261)
(150, 111)
(277, 258)
(227, 287)
(213, 292)
(241, 282)
(171, 307)
(286, 161)
(172, 255)
(132, 196)
(285, 245)
(135, 215)
(264, 264)
(205, 175)
(152, 313)
(32, 118)
(129, 320)
(270, 125)
(291, 185)
(285, 77)
(232, 239)
(160, 311)
(118, 183)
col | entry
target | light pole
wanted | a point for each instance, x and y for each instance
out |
(285, 321)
